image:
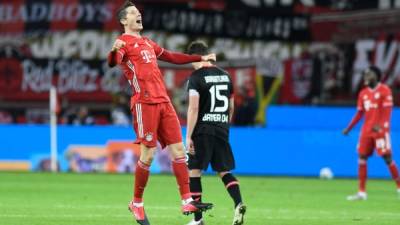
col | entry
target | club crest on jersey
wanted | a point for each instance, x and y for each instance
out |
(365, 97)
(148, 136)
(377, 95)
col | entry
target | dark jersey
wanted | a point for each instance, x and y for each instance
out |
(214, 86)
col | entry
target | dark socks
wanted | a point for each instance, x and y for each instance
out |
(232, 186)
(196, 190)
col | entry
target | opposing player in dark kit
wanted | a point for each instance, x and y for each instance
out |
(210, 110)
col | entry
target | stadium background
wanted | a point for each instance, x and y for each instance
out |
(296, 67)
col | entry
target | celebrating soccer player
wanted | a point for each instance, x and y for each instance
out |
(154, 116)
(209, 113)
(375, 102)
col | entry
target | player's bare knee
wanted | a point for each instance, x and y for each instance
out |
(222, 174)
(177, 150)
(148, 159)
(362, 159)
(147, 154)
(195, 173)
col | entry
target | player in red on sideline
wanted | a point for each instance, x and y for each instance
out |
(375, 102)
(154, 116)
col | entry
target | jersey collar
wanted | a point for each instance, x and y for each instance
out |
(375, 88)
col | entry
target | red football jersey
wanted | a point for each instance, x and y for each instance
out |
(140, 67)
(373, 103)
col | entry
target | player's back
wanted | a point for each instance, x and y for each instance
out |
(214, 86)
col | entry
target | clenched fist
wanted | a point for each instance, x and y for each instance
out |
(118, 44)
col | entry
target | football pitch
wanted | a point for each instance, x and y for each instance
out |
(101, 199)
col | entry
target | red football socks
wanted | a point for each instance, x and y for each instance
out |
(141, 177)
(362, 176)
(182, 177)
(395, 173)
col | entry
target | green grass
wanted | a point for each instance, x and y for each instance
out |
(101, 199)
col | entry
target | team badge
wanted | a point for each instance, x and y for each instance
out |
(148, 136)
(377, 95)
(365, 97)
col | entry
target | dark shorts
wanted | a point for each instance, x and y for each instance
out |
(211, 150)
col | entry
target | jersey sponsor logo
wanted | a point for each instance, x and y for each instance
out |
(369, 105)
(216, 78)
(208, 117)
(147, 56)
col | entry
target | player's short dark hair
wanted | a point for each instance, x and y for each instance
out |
(375, 70)
(122, 10)
(197, 48)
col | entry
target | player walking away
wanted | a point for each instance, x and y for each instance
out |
(209, 113)
(154, 116)
(375, 102)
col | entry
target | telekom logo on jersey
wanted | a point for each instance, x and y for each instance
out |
(147, 56)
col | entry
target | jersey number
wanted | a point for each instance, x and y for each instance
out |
(215, 92)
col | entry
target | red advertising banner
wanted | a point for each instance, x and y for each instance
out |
(86, 80)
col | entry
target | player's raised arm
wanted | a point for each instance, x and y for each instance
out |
(116, 54)
(177, 57)
(181, 58)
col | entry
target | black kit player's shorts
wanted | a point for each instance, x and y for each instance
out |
(210, 149)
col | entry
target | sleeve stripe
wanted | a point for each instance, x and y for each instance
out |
(122, 54)
(162, 51)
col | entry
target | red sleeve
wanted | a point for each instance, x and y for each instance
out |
(173, 57)
(360, 102)
(355, 119)
(178, 58)
(387, 98)
(115, 58)
(384, 117)
(386, 109)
